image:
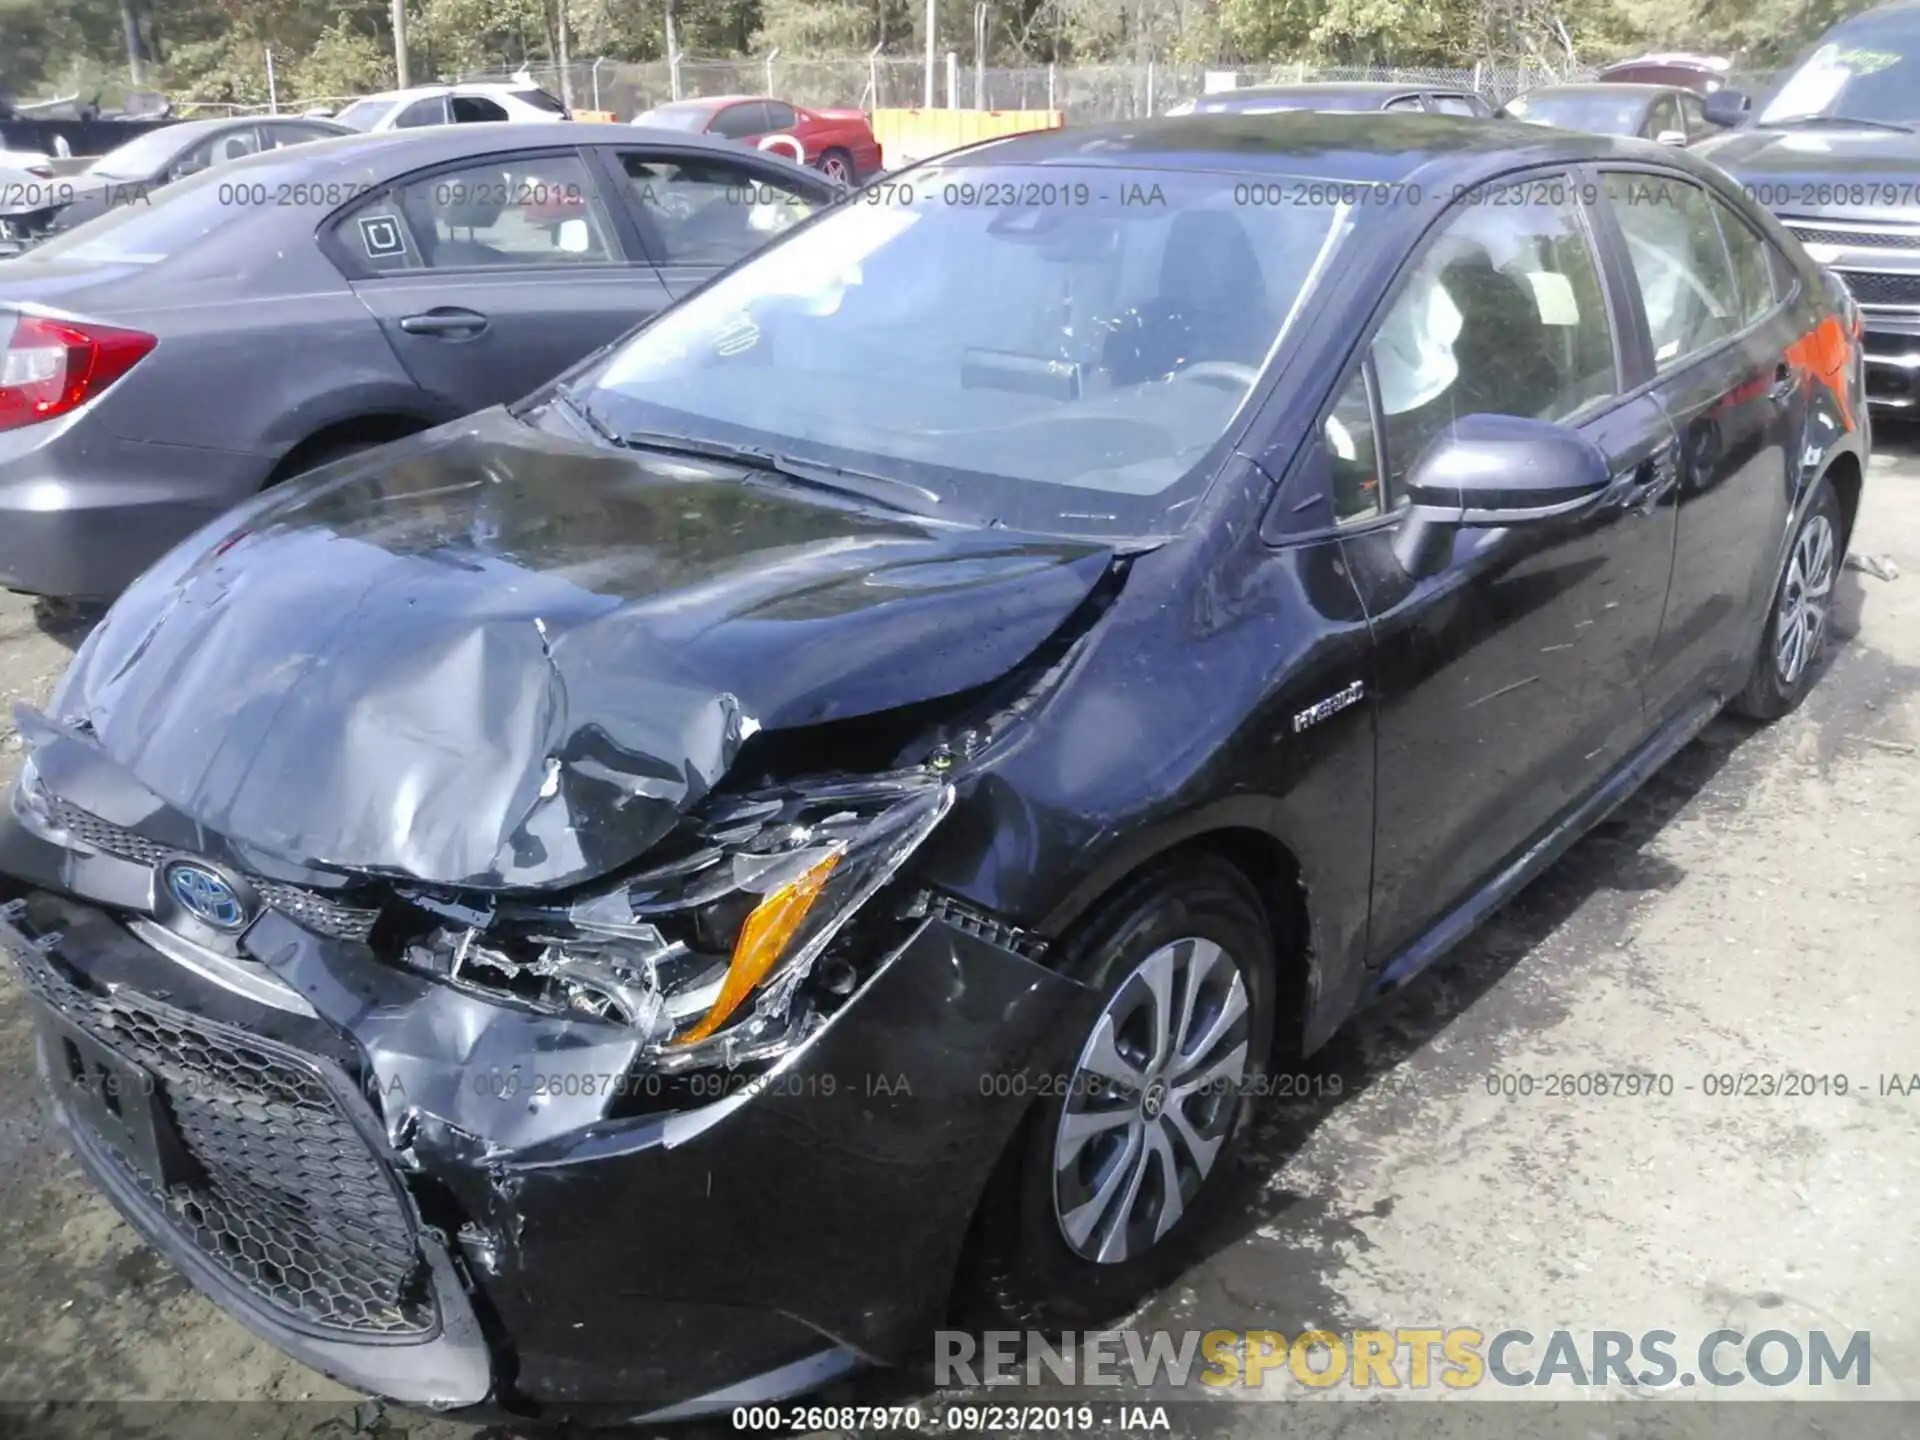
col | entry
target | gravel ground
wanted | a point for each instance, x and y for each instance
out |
(1755, 909)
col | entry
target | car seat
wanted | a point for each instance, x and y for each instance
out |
(440, 226)
(1212, 304)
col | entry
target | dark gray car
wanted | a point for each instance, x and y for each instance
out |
(258, 320)
(128, 174)
(1666, 113)
(1338, 95)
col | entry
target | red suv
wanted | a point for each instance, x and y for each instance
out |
(838, 143)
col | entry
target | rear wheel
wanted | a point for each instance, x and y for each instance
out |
(1796, 630)
(1118, 1167)
(837, 166)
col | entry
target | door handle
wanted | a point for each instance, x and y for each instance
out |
(1647, 484)
(1785, 383)
(446, 322)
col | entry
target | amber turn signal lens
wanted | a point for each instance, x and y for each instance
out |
(762, 940)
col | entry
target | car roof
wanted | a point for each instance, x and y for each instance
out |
(709, 102)
(463, 87)
(187, 131)
(435, 144)
(1677, 60)
(1646, 91)
(1327, 87)
(1375, 147)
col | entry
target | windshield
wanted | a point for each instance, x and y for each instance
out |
(1865, 69)
(365, 114)
(1597, 114)
(1056, 350)
(675, 117)
(142, 156)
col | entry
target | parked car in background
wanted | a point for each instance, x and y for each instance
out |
(464, 104)
(1702, 74)
(838, 143)
(1664, 113)
(26, 162)
(1336, 96)
(274, 314)
(848, 796)
(130, 174)
(1835, 153)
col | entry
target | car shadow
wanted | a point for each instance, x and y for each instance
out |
(66, 622)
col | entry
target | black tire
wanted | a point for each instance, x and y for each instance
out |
(849, 175)
(1022, 1271)
(1771, 691)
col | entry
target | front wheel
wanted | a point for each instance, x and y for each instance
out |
(1119, 1164)
(1796, 630)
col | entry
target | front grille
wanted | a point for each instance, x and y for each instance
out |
(286, 1196)
(1856, 239)
(304, 907)
(1872, 288)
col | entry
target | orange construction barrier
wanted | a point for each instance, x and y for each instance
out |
(909, 136)
(603, 117)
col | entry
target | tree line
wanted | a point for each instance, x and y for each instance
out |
(216, 49)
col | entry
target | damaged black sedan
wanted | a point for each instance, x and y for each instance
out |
(831, 812)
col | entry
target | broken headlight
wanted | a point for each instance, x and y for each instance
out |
(704, 953)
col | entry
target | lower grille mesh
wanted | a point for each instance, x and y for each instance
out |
(1870, 288)
(288, 1198)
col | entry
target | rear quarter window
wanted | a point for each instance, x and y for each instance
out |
(164, 222)
(539, 100)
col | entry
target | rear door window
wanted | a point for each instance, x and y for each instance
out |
(1752, 267)
(476, 109)
(778, 116)
(1680, 263)
(736, 122)
(508, 213)
(431, 111)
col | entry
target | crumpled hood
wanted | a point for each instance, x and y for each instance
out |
(487, 657)
(1809, 171)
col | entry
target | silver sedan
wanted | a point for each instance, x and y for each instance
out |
(259, 320)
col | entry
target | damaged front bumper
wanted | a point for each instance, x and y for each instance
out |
(448, 1200)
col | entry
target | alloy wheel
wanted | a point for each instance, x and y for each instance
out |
(1802, 616)
(834, 168)
(1153, 1095)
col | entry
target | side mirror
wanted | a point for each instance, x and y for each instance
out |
(1727, 108)
(1494, 471)
(1671, 137)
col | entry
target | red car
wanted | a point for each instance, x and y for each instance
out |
(838, 143)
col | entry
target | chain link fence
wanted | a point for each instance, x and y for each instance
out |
(1087, 93)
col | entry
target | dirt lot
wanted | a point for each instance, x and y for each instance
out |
(1755, 909)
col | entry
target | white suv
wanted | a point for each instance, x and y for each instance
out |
(451, 105)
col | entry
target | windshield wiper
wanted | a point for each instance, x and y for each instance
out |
(584, 409)
(863, 483)
(1842, 120)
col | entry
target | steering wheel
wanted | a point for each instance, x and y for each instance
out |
(1235, 375)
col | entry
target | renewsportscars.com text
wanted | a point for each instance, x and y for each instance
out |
(1453, 1358)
